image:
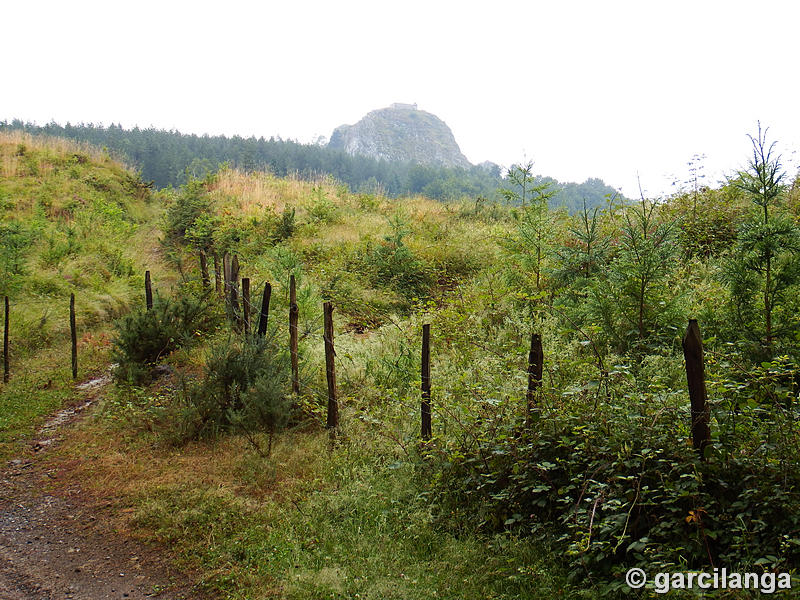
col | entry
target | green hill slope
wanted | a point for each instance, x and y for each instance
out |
(72, 220)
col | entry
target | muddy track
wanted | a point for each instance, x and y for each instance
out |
(55, 546)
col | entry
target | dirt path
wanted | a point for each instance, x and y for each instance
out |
(54, 546)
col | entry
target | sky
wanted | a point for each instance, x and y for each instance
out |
(625, 91)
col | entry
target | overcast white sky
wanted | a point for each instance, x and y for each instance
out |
(607, 89)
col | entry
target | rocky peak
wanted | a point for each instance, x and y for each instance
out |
(401, 132)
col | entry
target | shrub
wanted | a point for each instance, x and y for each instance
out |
(320, 208)
(622, 487)
(60, 247)
(244, 386)
(15, 239)
(145, 336)
(192, 203)
(284, 228)
(394, 265)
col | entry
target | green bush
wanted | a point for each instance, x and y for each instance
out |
(60, 245)
(190, 205)
(244, 387)
(284, 228)
(116, 262)
(15, 239)
(392, 264)
(320, 208)
(143, 337)
(619, 487)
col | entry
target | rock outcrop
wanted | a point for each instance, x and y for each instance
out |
(401, 132)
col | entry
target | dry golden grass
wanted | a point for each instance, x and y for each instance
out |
(12, 162)
(249, 192)
(9, 163)
(252, 193)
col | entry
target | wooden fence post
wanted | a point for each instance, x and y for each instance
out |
(226, 271)
(74, 334)
(426, 382)
(332, 422)
(262, 319)
(237, 315)
(246, 305)
(6, 372)
(230, 267)
(148, 291)
(293, 317)
(235, 271)
(217, 275)
(204, 271)
(535, 369)
(226, 281)
(696, 380)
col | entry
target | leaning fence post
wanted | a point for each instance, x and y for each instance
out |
(246, 305)
(74, 334)
(264, 316)
(426, 382)
(148, 291)
(695, 378)
(293, 314)
(332, 422)
(6, 371)
(535, 368)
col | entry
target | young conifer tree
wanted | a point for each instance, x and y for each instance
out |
(765, 265)
(531, 242)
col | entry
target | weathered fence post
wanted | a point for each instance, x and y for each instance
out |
(535, 369)
(204, 271)
(6, 372)
(695, 377)
(237, 315)
(293, 315)
(246, 305)
(226, 271)
(426, 382)
(217, 275)
(148, 291)
(230, 271)
(74, 334)
(332, 422)
(262, 319)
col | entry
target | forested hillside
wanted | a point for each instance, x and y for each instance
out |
(170, 158)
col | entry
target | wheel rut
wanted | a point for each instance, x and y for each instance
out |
(55, 546)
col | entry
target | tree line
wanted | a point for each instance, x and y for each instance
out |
(171, 158)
